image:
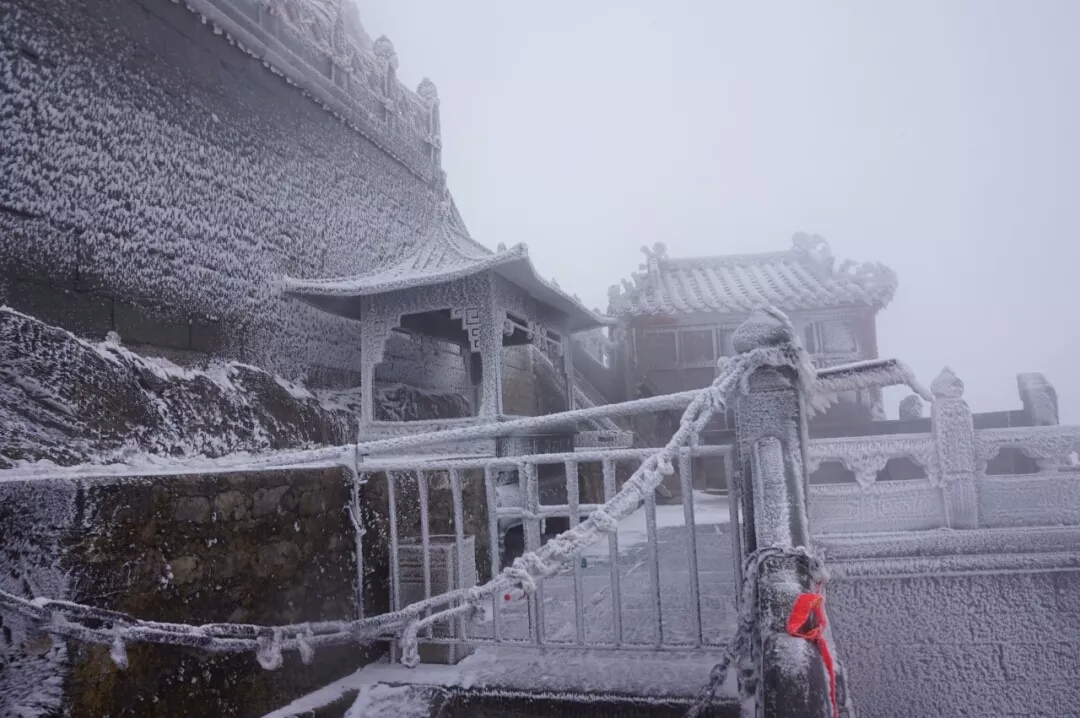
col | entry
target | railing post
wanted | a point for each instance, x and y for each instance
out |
(770, 459)
(954, 441)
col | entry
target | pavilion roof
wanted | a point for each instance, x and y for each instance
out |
(446, 253)
(803, 277)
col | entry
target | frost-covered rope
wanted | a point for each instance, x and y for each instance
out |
(112, 628)
(739, 646)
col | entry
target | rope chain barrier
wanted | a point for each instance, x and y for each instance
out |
(115, 629)
(739, 647)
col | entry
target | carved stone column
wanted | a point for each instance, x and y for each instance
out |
(770, 458)
(374, 332)
(954, 439)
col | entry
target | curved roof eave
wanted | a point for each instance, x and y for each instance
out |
(512, 264)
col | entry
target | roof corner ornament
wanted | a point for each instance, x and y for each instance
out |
(501, 247)
(814, 246)
(616, 297)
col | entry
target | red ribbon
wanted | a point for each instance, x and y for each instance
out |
(812, 606)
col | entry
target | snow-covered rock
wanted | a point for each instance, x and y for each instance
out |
(70, 401)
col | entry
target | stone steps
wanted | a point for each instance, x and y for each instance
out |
(414, 701)
(521, 682)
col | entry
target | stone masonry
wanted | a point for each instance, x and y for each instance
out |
(266, 547)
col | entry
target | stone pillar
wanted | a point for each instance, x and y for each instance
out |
(374, 332)
(491, 344)
(568, 367)
(1039, 398)
(954, 441)
(770, 459)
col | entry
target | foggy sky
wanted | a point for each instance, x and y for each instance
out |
(937, 137)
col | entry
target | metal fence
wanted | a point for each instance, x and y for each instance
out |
(565, 599)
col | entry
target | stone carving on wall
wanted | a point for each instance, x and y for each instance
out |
(865, 456)
(894, 506)
(375, 332)
(470, 322)
(1029, 501)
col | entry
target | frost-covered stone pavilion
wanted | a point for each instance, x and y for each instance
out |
(450, 288)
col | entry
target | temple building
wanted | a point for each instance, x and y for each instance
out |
(470, 303)
(677, 316)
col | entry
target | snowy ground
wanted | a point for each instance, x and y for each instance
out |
(716, 581)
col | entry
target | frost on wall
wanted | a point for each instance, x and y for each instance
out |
(32, 665)
(69, 401)
(162, 164)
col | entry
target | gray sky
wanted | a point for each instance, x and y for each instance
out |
(937, 137)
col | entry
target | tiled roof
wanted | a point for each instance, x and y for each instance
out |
(444, 254)
(803, 277)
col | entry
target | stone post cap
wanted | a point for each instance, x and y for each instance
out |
(1039, 398)
(911, 407)
(947, 385)
(762, 329)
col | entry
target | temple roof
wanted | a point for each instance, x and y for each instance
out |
(446, 253)
(803, 277)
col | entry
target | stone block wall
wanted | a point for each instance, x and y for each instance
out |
(971, 645)
(265, 547)
(519, 381)
(158, 180)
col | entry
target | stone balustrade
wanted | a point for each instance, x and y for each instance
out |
(958, 487)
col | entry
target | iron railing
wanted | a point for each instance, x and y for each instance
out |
(526, 622)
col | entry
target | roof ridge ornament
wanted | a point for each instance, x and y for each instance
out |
(815, 247)
(653, 256)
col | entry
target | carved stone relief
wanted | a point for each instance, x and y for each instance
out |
(471, 322)
(865, 456)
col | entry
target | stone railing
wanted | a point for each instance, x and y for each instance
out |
(955, 490)
(359, 86)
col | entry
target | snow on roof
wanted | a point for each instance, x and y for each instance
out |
(803, 277)
(444, 254)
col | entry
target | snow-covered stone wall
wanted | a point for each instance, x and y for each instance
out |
(158, 179)
(980, 623)
(268, 547)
